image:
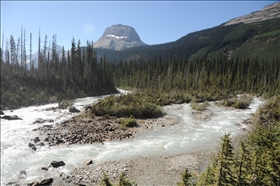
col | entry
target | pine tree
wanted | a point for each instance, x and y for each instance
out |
(186, 179)
(208, 177)
(243, 165)
(31, 65)
(2, 48)
(226, 162)
(7, 54)
(13, 52)
(64, 70)
(40, 60)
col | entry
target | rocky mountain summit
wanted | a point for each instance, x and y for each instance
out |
(268, 12)
(119, 37)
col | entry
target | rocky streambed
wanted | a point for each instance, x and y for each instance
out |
(144, 170)
(84, 130)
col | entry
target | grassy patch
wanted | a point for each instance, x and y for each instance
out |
(239, 103)
(199, 106)
(127, 123)
(65, 103)
(136, 105)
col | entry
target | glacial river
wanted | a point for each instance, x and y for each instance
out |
(20, 163)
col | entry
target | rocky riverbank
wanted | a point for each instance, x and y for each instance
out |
(151, 170)
(84, 130)
(144, 170)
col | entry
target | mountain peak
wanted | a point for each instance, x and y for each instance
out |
(119, 37)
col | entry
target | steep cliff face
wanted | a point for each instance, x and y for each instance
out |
(268, 12)
(119, 37)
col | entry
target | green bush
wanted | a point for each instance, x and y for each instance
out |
(64, 104)
(136, 105)
(240, 103)
(105, 180)
(127, 122)
(243, 102)
(123, 181)
(199, 106)
(188, 179)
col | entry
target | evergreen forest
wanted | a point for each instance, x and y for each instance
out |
(76, 74)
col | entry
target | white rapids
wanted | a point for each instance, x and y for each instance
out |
(189, 135)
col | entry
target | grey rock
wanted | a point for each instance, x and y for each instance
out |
(47, 181)
(268, 12)
(32, 146)
(73, 109)
(44, 168)
(23, 172)
(40, 120)
(37, 139)
(88, 162)
(14, 117)
(56, 164)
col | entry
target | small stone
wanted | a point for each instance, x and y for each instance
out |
(37, 139)
(56, 164)
(88, 162)
(44, 168)
(23, 172)
(73, 109)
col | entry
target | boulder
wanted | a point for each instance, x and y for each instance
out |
(1, 112)
(44, 168)
(14, 117)
(88, 162)
(89, 107)
(23, 172)
(73, 109)
(56, 164)
(32, 146)
(37, 139)
(47, 181)
(40, 120)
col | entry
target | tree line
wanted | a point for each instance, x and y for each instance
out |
(203, 78)
(71, 74)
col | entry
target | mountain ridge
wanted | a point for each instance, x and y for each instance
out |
(267, 12)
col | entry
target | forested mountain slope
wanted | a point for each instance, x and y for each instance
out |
(259, 39)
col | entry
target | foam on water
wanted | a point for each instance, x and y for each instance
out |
(189, 135)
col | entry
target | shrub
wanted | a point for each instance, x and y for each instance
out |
(135, 105)
(64, 104)
(123, 181)
(105, 180)
(243, 102)
(199, 106)
(240, 103)
(53, 99)
(187, 179)
(127, 122)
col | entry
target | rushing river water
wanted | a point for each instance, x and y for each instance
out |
(189, 135)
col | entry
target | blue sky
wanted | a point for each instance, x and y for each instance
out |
(155, 21)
